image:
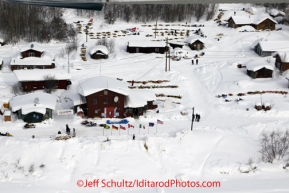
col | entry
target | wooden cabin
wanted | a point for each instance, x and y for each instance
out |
(195, 43)
(265, 23)
(267, 48)
(146, 47)
(281, 60)
(259, 69)
(99, 52)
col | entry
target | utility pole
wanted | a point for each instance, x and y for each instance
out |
(169, 59)
(193, 118)
(68, 61)
(166, 54)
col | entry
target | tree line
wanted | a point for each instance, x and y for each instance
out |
(147, 13)
(33, 23)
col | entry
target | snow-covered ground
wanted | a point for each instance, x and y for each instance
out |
(219, 145)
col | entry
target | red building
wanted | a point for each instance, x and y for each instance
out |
(32, 56)
(107, 97)
(36, 79)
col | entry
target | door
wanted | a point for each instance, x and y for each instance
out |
(109, 112)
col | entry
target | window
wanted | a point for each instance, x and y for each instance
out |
(157, 50)
(94, 101)
(105, 92)
(96, 111)
(35, 86)
(137, 50)
(31, 54)
(105, 101)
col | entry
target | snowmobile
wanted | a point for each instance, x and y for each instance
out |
(91, 124)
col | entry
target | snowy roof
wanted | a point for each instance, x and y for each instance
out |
(284, 56)
(39, 74)
(96, 48)
(7, 113)
(276, 12)
(45, 61)
(251, 19)
(139, 98)
(274, 45)
(141, 43)
(255, 65)
(193, 38)
(176, 43)
(33, 46)
(27, 105)
(78, 99)
(96, 84)
(241, 19)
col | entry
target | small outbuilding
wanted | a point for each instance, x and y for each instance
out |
(259, 69)
(138, 46)
(282, 60)
(99, 52)
(33, 107)
(195, 43)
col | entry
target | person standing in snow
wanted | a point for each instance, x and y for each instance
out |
(197, 61)
(192, 61)
(133, 137)
(67, 130)
(73, 133)
(199, 118)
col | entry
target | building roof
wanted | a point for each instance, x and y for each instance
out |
(96, 48)
(284, 55)
(250, 19)
(97, 84)
(149, 44)
(35, 61)
(33, 46)
(275, 12)
(27, 103)
(139, 98)
(39, 74)
(193, 38)
(274, 45)
(255, 65)
(176, 43)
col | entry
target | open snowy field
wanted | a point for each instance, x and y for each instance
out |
(220, 145)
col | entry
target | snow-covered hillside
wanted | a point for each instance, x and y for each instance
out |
(219, 146)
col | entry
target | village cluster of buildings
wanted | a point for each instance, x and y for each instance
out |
(107, 97)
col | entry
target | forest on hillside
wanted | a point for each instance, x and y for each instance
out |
(42, 24)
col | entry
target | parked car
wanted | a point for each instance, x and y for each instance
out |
(29, 125)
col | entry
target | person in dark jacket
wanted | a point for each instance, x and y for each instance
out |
(67, 130)
(133, 137)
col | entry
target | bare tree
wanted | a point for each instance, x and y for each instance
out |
(109, 44)
(274, 145)
(51, 83)
(17, 89)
